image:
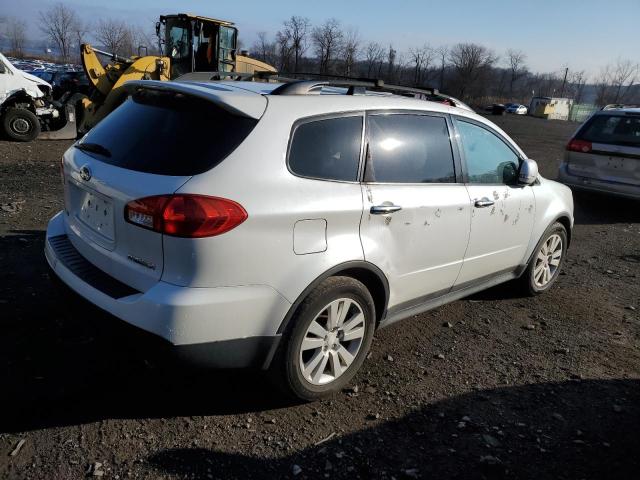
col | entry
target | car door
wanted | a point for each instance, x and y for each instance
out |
(416, 218)
(502, 211)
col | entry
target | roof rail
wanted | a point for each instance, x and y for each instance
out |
(357, 86)
(619, 106)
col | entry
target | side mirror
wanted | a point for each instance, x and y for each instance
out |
(528, 172)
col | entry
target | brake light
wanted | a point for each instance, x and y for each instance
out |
(576, 145)
(183, 215)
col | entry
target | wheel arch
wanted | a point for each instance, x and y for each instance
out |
(20, 96)
(371, 276)
(565, 221)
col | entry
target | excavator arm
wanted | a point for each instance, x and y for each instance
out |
(107, 81)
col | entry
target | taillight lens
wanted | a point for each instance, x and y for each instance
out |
(576, 145)
(183, 215)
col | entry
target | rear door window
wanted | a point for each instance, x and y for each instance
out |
(409, 148)
(613, 129)
(327, 149)
(167, 133)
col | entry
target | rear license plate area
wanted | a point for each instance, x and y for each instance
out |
(94, 211)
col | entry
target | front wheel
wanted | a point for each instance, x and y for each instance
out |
(20, 124)
(544, 267)
(328, 341)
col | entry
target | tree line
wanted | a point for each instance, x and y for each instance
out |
(467, 70)
(66, 31)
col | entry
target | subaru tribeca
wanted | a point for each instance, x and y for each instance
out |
(604, 154)
(279, 225)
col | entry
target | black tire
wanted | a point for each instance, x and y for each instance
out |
(527, 280)
(20, 124)
(286, 369)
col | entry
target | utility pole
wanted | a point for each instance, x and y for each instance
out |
(566, 72)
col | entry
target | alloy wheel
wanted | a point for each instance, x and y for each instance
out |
(547, 261)
(332, 341)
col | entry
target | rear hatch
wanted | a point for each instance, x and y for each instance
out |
(151, 145)
(607, 148)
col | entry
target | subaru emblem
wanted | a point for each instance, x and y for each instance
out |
(85, 173)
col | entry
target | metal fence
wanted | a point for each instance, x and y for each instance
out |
(581, 111)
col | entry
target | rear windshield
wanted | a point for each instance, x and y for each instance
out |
(615, 129)
(166, 133)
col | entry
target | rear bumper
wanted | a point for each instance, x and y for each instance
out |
(594, 185)
(223, 327)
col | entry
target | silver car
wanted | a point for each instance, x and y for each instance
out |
(278, 226)
(604, 154)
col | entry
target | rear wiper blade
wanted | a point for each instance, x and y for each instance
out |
(94, 148)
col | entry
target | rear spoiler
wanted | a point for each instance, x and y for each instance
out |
(235, 101)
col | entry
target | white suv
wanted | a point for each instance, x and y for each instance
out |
(262, 225)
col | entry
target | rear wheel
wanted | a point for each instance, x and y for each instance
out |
(20, 124)
(328, 341)
(544, 268)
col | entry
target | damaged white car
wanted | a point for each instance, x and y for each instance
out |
(26, 108)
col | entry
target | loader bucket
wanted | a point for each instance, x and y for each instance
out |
(68, 131)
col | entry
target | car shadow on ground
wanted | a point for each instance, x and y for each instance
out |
(599, 209)
(65, 362)
(574, 429)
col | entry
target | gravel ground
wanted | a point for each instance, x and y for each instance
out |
(493, 386)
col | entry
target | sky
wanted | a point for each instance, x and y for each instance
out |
(578, 34)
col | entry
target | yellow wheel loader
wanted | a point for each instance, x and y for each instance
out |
(189, 43)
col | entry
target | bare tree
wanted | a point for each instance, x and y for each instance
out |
(284, 49)
(577, 82)
(327, 40)
(80, 30)
(470, 61)
(114, 35)
(603, 83)
(57, 22)
(391, 61)
(623, 75)
(16, 34)
(442, 52)
(374, 55)
(421, 59)
(350, 50)
(263, 49)
(516, 60)
(298, 30)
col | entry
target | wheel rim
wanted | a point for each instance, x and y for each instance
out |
(548, 260)
(332, 341)
(21, 126)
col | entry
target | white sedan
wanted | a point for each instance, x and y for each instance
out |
(517, 109)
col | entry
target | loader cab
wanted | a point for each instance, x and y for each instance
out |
(198, 44)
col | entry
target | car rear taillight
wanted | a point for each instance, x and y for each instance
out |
(183, 215)
(576, 145)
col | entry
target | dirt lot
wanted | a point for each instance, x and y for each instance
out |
(528, 388)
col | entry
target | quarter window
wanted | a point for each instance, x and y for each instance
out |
(327, 149)
(407, 148)
(488, 158)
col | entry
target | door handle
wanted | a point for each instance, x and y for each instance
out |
(384, 209)
(484, 202)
